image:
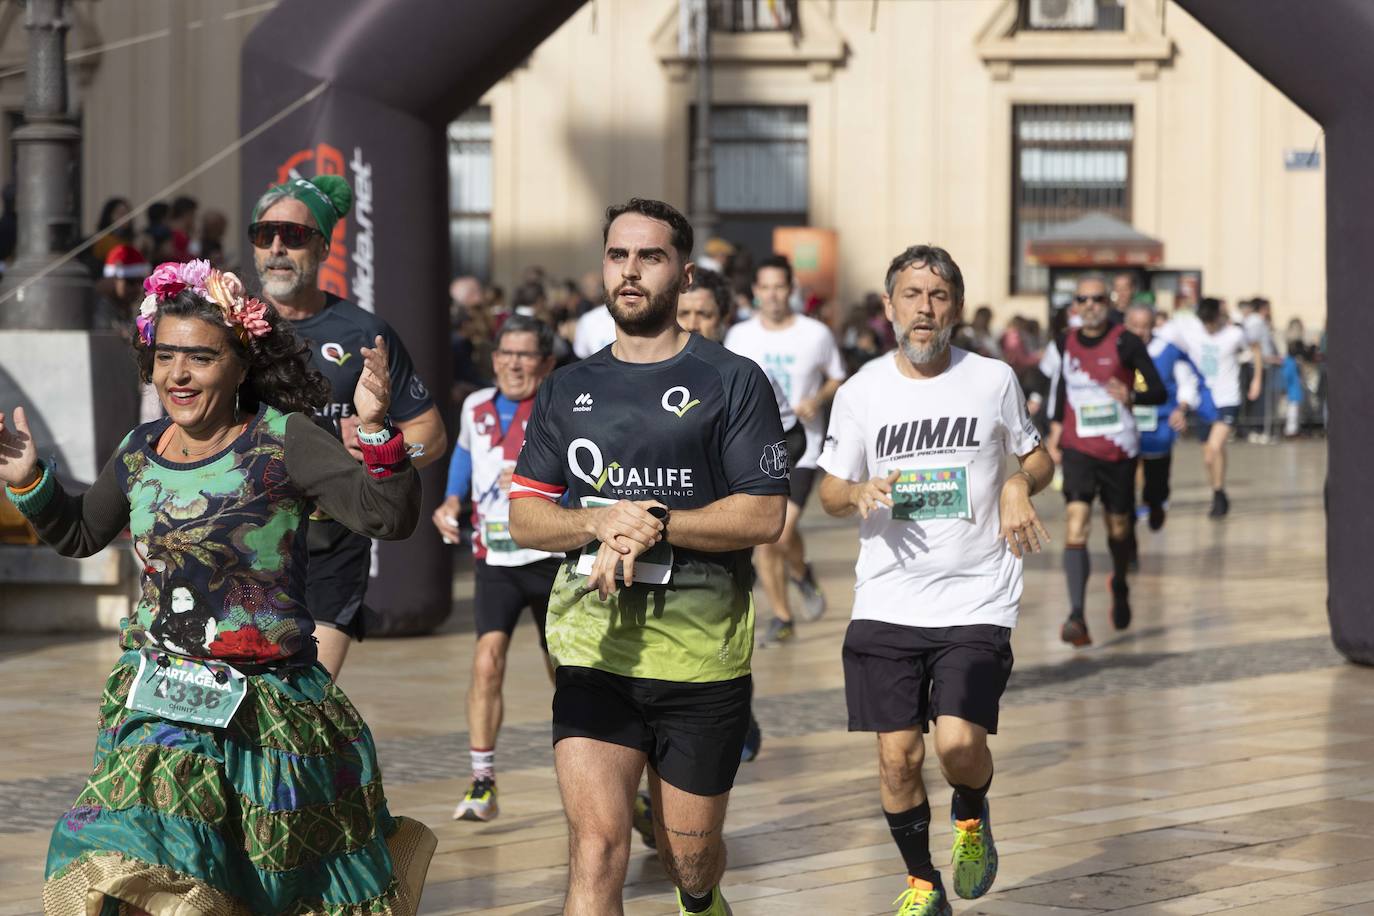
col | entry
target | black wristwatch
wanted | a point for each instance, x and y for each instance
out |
(662, 514)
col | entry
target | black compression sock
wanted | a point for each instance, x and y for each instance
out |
(968, 803)
(1076, 569)
(911, 832)
(697, 904)
(1121, 558)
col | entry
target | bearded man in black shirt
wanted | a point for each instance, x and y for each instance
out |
(291, 230)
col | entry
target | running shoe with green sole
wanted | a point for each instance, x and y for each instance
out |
(974, 858)
(643, 819)
(921, 898)
(779, 631)
(813, 599)
(718, 905)
(480, 802)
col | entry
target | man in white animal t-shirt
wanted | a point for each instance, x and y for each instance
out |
(917, 446)
(1215, 346)
(801, 354)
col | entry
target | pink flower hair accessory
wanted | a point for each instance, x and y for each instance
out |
(171, 277)
(247, 316)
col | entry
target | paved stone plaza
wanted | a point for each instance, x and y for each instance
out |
(1219, 756)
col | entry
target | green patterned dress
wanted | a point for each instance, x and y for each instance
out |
(282, 810)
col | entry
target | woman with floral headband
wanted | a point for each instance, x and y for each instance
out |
(231, 776)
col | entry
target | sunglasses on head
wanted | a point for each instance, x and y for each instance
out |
(293, 235)
(1096, 297)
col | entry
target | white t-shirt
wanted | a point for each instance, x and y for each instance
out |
(1050, 361)
(801, 357)
(595, 331)
(1216, 355)
(945, 571)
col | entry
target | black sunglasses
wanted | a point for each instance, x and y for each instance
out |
(293, 235)
(1098, 297)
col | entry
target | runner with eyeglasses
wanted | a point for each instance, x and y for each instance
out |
(1105, 370)
(291, 231)
(509, 578)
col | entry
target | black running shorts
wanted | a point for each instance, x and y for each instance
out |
(801, 480)
(336, 580)
(502, 592)
(898, 677)
(1086, 477)
(693, 734)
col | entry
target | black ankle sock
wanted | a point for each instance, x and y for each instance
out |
(968, 803)
(1121, 558)
(697, 904)
(1076, 569)
(911, 832)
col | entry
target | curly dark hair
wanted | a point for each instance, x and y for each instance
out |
(279, 369)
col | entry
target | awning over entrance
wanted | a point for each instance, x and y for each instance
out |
(1094, 240)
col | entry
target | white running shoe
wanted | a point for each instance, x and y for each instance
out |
(480, 802)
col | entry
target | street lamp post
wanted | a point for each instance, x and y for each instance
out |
(703, 169)
(47, 146)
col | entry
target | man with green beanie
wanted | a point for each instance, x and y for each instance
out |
(291, 230)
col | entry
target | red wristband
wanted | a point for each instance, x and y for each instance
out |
(381, 460)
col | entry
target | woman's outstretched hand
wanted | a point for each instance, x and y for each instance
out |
(372, 396)
(18, 456)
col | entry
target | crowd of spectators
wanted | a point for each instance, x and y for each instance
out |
(124, 250)
(1294, 380)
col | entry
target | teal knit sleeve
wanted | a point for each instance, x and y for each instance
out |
(32, 502)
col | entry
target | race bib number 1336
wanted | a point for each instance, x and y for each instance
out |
(186, 689)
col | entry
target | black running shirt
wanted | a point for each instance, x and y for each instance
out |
(336, 337)
(687, 432)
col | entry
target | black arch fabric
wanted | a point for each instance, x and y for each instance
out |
(397, 71)
(1317, 55)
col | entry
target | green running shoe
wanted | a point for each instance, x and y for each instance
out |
(974, 858)
(643, 819)
(718, 905)
(921, 898)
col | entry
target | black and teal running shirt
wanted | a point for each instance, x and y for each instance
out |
(688, 431)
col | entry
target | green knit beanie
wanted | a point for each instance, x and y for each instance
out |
(328, 197)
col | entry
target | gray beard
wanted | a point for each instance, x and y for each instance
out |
(286, 290)
(923, 356)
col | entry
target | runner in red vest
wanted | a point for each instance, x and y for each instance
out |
(1104, 372)
(509, 578)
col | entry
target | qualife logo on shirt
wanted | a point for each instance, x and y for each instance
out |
(678, 400)
(335, 353)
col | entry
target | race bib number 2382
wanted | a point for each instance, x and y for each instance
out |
(925, 494)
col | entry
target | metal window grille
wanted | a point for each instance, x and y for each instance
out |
(469, 180)
(1067, 160)
(761, 180)
(1073, 15)
(753, 15)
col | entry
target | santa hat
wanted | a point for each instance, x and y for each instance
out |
(126, 262)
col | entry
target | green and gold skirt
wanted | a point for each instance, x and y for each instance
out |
(281, 812)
